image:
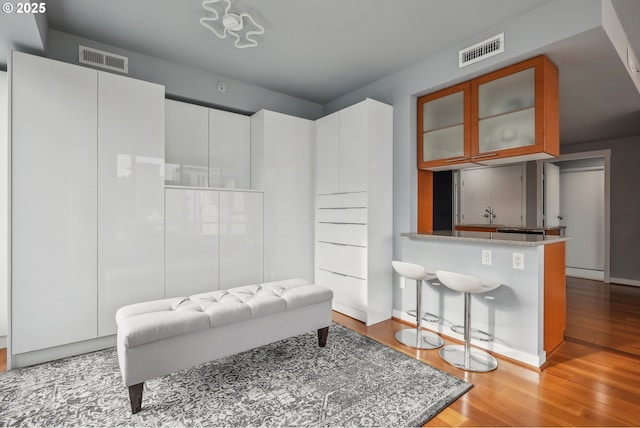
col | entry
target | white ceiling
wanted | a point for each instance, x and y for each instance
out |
(319, 50)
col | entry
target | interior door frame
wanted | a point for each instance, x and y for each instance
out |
(606, 155)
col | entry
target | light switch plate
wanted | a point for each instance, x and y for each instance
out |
(518, 261)
(486, 257)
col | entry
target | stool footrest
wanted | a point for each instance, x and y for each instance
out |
(476, 334)
(427, 316)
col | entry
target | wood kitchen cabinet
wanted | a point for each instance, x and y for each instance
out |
(514, 113)
(510, 115)
(444, 128)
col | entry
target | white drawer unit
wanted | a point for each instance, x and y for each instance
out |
(343, 200)
(354, 219)
(342, 215)
(347, 290)
(342, 233)
(340, 258)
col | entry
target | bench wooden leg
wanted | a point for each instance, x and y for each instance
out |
(135, 397)
(323, 333)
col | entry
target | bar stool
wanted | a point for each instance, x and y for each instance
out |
(464, 356)
(407, 336)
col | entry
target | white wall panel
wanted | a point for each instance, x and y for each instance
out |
(53, 203)
(130, 195)
(241, 239)
(229, 150)
(327, 147)
(192, 241)
(354, 160)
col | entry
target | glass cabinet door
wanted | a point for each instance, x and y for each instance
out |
(443, 127)
(506, 112)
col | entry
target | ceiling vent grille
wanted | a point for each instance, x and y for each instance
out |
(103, 59)
(482, 50)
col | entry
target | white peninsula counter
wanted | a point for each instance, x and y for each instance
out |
(526, 315)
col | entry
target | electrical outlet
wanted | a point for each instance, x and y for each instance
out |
(486, 257)
(518, 261)
(402, 283)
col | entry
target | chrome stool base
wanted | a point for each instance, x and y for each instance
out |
(424, 340)
(478, 361)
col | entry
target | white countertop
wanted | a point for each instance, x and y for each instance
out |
(521, 239)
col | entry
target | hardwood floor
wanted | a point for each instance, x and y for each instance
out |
(593, 379)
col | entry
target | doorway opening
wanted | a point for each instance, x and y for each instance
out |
(575, 194)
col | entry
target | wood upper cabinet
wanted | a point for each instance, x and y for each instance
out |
(444, 128)
(515, 113)
(510, 115)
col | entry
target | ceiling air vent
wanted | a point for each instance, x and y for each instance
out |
(103, 59)
(482, 50)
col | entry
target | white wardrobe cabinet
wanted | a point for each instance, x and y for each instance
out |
(187, 144)
(192, 241)
(206, 147)
(130, 195)
(87, 200)
(353, 232)
(281, 166)
(53, 207)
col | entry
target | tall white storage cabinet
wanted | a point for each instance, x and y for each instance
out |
(53, 203)
(4, 204)
(281, 159)
(354, 219)
(130, 195)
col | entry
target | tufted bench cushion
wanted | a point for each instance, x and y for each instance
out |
(146, 322)
(162, 336)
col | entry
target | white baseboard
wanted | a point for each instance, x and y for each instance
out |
(50, 354)
(596, 275)
(524, 357)
(624, 281)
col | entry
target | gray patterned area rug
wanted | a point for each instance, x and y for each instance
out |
(354, 381)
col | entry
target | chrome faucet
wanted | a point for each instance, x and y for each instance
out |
(489, 213)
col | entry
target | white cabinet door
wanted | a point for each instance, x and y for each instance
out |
(187, 144)
(327, 143)
(192, 241)
(241, 239)
(282, 167)
(53, 242)
(229, 150)
(130, 195)
(354, 162)
(4, 199)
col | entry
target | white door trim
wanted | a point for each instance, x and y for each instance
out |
(606, 155)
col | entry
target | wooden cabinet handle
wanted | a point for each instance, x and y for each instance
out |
(485, 155)
(456, 159)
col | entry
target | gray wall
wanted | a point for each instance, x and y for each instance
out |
(186, 83)
(625, 203)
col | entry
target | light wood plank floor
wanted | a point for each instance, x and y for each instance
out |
(592, 380)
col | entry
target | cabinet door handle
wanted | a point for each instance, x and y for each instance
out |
(457, 159)
(485, 155)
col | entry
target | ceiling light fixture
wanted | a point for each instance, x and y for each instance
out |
(223, 22)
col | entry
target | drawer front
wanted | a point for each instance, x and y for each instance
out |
(344, 259)
(342, 215)
(347, 290)
(343, 200)
(340, 233)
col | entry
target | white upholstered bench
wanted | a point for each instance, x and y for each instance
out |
(163, 336)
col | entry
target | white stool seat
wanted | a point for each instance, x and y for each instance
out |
(417, 338)
(465, 357)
